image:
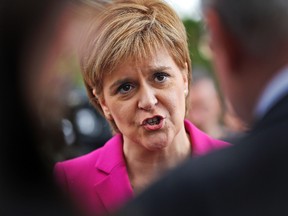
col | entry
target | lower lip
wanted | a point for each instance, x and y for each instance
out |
(154, 127)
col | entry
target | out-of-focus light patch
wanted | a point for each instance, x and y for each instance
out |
(68, 131)
(186, 8)
(87, 122)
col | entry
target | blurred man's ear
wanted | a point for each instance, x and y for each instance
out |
(224, 46)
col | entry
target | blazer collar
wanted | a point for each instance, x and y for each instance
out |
(114, 187)
(111, 155)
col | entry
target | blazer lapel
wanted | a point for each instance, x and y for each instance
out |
(114, 188)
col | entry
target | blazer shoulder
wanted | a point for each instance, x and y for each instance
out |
(101, 158)
(76, 166)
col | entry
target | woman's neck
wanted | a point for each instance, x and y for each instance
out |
(145, 167)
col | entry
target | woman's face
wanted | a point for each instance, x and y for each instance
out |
(146, 99)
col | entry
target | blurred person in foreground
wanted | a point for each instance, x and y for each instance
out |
(249, 41)
(135, 65)
(234, 127)
(29, 32)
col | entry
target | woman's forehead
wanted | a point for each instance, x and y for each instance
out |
(159, 57)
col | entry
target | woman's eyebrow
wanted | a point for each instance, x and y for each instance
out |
(159, 68)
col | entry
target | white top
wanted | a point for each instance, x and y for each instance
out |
(273, 92)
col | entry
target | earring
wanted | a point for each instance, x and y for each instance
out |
(185, 92)
(108, 116)
(94, 93)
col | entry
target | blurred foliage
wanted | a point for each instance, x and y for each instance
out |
(198, 47)
(199, 50)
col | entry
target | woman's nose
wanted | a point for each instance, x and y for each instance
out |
(147, 98)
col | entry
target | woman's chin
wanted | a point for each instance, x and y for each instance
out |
(156, 144)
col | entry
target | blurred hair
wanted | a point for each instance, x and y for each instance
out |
(260, 27)
(130, 29)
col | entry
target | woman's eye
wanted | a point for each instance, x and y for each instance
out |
(125, 88)
(160, 77)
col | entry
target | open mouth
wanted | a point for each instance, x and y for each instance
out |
(152, 121)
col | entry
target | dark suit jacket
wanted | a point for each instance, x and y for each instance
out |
(249, 178)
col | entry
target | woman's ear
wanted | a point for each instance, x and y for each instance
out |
(103, 105)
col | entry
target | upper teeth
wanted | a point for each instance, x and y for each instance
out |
(153, 121)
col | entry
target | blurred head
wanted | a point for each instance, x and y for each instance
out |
(26, 49)
(249, 42)
(27, 28)
(259, 28)
(131, 31)
(50, 70)
(205, 107)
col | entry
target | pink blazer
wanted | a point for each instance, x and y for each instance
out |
(99, 181)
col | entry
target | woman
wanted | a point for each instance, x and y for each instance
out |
(136, 67)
